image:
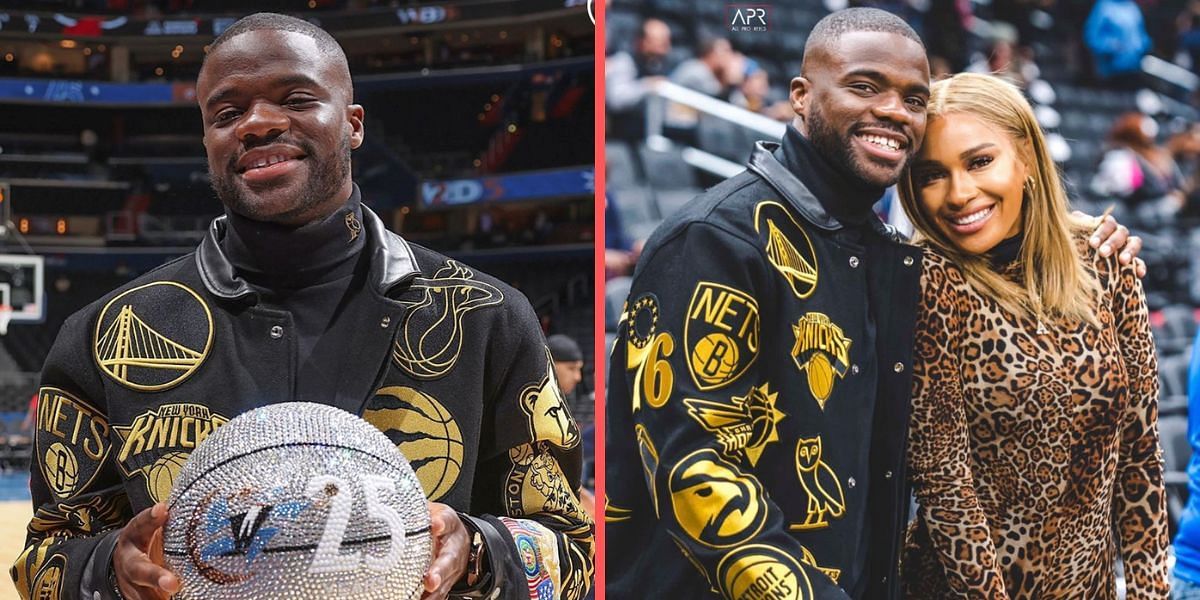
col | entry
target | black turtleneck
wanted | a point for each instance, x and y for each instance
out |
(842, 195)
(1007, 251)
(305, 271)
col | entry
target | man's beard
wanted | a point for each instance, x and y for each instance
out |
(840, 152)
(325, 177)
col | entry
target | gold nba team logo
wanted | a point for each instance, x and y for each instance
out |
(758, 571)
(72, 440)
(715, 502)
(787, 246)
(424, 431)
(549, 418)
(158, 442)
(153, 337)
(821, 350)
(48, 584)
(721, 334)
(431, 336)
(744, 425)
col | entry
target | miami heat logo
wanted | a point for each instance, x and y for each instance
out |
(721, 334)
(715, 503)
(823, 351)
(431, 336)
(744, 425)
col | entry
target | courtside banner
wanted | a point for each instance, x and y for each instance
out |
(578, 181)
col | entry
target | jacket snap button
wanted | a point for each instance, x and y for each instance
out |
(854, 369)
(887, 475)
(385, 322)
(908, 261)
(898, 368)
(851, 482)
(853, 262)
(276, 332)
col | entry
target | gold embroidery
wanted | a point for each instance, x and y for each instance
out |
(430, 339)
(797, 264)
(820, 483)
(744, 425)
(158, 442)
(546, 409)
(758, 572)
(714, 502)
(139, 356)
(721, 333)
(425, 432)
(823, 351)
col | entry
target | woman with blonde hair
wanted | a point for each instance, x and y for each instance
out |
(1034, 424)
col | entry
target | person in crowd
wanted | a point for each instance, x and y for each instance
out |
(630, 76)
(709, 72)
(1033, 432)
(1140, 172)
(1185, 580)
(1115, 34)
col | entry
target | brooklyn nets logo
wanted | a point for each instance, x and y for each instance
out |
(153, 337)
(797, 263)
(431, 337)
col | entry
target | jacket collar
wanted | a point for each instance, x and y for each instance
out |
(392, 261)
(766, 163)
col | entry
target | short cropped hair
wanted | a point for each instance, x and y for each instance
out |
(834, 25)
(278, 22)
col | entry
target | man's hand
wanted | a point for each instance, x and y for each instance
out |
(137, 560)
(1111, 236)
(451, 549)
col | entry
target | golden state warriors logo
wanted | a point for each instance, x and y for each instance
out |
(715, 503)
(758, 572)
(72, 440)
(153, 337)
(823, 351)
(158, 442)
(787, 246)
(825, 496)
(546, 409)
(721, 334)
(744, 425)
(424, 431)
(646, 353)
(430, 338)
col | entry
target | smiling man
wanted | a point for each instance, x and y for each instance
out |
(760, 384)
(299, 293)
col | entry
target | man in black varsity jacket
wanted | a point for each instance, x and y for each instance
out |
(759, 390)
(299, 293)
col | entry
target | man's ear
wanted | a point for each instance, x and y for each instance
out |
(355, 114)
(798, 95)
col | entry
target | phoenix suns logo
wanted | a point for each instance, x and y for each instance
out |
(823, 351)
(744, 425)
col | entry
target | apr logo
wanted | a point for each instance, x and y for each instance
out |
(823, 351)
(721, 334)
(72, 440)
(744, 425)
(715, 503)
(546, 409)
(424, 431)
(430, 338)
(825, 496)
(158, 442)
(748, 17)
(757, 571)
(153, 337)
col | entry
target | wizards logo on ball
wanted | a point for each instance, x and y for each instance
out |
(823, 351)
(721, 334)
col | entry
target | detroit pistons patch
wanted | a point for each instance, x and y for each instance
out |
(153, 337)
(721, 334)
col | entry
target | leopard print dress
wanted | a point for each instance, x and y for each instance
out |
(1027, 452)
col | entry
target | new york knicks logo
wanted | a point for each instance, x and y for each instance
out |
(714, 502)
(157, 443)
(721, 334)
(153, 337)
(424, 431)
(430, 338)
(823, 351)
(787, 246)
(744, 425)
(72, 440)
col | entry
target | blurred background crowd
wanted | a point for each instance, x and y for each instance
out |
(692, 84)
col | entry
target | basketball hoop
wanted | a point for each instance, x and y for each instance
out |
(6, 313)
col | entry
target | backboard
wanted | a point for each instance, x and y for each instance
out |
(23, 276)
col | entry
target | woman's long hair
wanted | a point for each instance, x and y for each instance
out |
(1057, 282)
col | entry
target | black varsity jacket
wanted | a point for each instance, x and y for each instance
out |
(758, 401)
(448, 362)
